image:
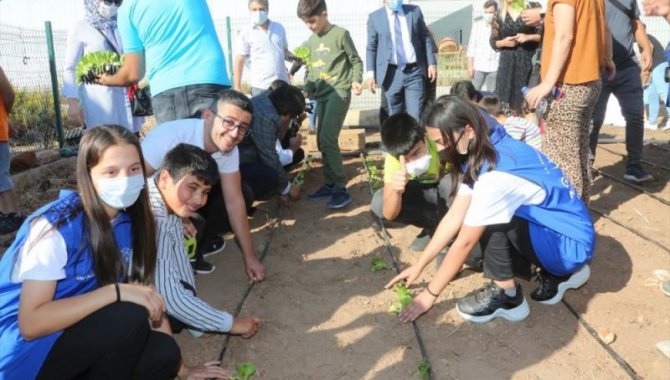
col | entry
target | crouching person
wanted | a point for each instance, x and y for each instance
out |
(176, 191)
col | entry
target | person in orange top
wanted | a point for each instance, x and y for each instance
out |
(10, 218)
(576, 47)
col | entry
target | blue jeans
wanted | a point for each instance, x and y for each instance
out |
(627, 87)
(655, 91)
(185, 102)
(405, 90)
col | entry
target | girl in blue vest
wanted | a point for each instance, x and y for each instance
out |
(75, 299)
(517, 204)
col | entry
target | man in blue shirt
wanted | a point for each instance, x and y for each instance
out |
(175, 42)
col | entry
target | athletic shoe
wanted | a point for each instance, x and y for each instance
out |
(202, 267)
(552, 288)
(340, 198)
(650, 126)
(214, 246)
(324, 192)
(490, 302)
(421, 241)
(638, 175)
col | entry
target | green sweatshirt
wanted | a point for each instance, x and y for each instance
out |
(335, 63)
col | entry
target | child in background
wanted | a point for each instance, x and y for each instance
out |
(76, 294)
(10, 217)
(524, 129)
(176, 191)
(336, 70)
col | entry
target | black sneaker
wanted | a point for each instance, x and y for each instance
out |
(202, 267)
(421, 241)
(213, 246)
(490, 301)
(638, 175)
(340, 198)
(10, 222)
(324, 192)
(552, 288)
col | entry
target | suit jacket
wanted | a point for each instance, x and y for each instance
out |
(380, 49)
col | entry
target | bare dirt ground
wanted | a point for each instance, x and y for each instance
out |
(325, 313)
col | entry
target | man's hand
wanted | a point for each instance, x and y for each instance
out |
(532, 17)
(657, 8)
(245, 326)
(294, 143)
(255, 270)
(209, 370)
(645, 61)
(294, 193)
(399, 178)
(432, 73)
(372, 85)
(609, 68)
(356, 88)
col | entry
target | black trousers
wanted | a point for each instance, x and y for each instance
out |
(508, 251)
(115, 342)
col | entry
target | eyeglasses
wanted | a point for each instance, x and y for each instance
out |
(113, 2)
(230, 124)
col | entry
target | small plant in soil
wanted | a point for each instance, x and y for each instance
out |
(404, 298)
(373, 174)
(378, 265)
(424, 370)
(94, 64)
(299, 179)
(244, 371)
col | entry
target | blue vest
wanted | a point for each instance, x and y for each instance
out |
(21, 359)
(561, 229)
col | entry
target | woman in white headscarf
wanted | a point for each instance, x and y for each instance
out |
(94, 104)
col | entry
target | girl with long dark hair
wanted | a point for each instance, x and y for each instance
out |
(517, 204)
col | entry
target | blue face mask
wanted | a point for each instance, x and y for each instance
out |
(394, 5)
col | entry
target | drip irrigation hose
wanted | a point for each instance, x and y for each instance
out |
(631, 229)
(633, 186)
(387, 245)
(653, 164)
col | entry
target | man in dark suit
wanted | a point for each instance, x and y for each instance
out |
(400, 56)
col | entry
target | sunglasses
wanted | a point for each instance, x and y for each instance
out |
(113, 2)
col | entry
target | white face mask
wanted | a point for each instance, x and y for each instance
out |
(107, 11)
(418, 166)
(488, 17)
(394, 5)
(121, 192)
(259, 17)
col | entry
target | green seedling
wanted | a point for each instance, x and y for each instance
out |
(244, 371)
(299, 179)
(304, 54)
(373, 174)
(424, 370)
(404, 298)
(378, 265)
(94, 64)
(190, 244)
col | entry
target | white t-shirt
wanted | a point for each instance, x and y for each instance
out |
(43, 256)
(166, 136)
(265, 52)
(496, 196)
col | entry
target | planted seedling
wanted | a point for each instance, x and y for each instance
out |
(299, 179)
(378, 265)
(373, 174)
(244, 371)
(404, 298)
(424, 370)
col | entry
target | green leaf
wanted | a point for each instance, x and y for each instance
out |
(404, 298)
(424, 370)
(245, 371)
(304, 54)
(378, 264)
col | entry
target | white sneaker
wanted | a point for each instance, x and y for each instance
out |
(650, 126)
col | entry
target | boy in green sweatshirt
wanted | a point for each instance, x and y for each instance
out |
(335, 72)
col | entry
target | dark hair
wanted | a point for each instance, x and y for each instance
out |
(491, 3)
(232, 97)
(464, 89)
(287, 100)
(451, 114)
(400, 133)
(276, 84)
(311, 8)
(185, 159)
(106, 259)
(261, 2)
(491, 104)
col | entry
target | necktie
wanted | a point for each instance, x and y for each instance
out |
(401, 58)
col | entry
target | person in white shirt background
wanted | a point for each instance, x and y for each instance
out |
(263, 44)
(482, 59)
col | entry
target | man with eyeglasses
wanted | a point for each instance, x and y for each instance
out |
(218, 132)
(176, 43)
